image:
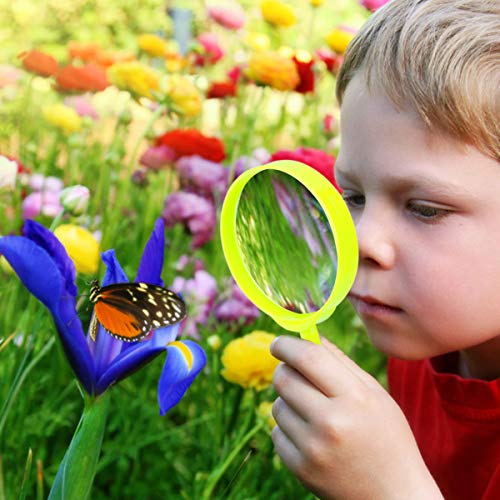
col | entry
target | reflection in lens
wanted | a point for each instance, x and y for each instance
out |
(286, 241)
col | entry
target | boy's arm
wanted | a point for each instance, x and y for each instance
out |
(339, 431)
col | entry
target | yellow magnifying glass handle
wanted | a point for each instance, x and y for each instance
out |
(311, 333)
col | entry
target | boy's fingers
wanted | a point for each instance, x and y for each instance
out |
(349, 363)
(297, 392)
(323, 367)
(289, 421)
(288, 452)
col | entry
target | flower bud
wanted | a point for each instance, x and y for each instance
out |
(214, 342)
(75, 199)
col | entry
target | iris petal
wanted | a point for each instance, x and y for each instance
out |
(114, 271)
(136, 355)
(152, 258)
(178, 373)
(46, 240)
(35, 268)
(41, 275)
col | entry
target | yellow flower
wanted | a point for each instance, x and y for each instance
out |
(339, 38)
(316, 3)
(257, 41)
(152, 45)
(273, 69)
(183, 95)
(277, 13)
(174, 62)
(62, 117)
(81, 246)
(135, 77)
(248, 361)
(4, 264)
(264, 411)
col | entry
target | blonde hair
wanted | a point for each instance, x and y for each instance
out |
(441, 57)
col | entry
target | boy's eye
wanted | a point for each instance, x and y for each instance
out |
(427, 212)
(353, 200)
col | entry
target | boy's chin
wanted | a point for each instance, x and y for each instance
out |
(396, 347)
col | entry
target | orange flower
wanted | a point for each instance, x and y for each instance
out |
(87, 52)
(107, 58)
(273, 69)
(38, 62)
(89, 78)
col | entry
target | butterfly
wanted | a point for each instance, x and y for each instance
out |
(129, 311)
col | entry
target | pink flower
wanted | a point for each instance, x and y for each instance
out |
(38, 182)
(202, 176)
(315, 158)
(41, 203)
(372, 5)
(186, 260)
(195, 212)
(199, 292)
(258, 157)
(9, 75)
(213, 50)
(157, 157)
(236, 308)
(231, 18)
(82, 106)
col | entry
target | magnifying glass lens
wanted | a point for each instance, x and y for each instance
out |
(286, 241)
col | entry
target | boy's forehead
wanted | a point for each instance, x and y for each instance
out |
(378, 140)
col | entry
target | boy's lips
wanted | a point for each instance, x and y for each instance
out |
(368, 305)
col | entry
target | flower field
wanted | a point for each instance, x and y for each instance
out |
(121, 129)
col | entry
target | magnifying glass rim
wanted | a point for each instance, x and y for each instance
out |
(343, 232)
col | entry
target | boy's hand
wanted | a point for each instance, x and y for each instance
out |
(339, 431)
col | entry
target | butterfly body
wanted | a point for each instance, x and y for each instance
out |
(129, 311)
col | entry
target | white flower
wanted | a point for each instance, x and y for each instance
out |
(8, 173)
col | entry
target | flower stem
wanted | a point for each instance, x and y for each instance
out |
(77, 470)
(153, 117)
(219, 471)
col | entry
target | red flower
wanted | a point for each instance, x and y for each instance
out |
(332, 60)
(234, 74)
(188, 142)
(315, 158)
(306, 75)
(38, 62)
(89, 78)
(221, 90)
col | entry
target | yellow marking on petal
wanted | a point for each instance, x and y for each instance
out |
(185, 351)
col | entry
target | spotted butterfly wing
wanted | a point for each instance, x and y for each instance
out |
(129, 311)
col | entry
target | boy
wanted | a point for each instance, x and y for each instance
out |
(419, 168)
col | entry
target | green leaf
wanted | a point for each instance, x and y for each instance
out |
(77, 470)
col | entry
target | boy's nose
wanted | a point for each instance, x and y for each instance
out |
(376, 239)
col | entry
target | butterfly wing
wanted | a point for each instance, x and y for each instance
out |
(129, 311)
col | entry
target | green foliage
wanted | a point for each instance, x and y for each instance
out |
(212, 445)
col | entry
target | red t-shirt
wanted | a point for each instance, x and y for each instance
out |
(456, 423)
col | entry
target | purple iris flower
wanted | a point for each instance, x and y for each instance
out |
(46, 270)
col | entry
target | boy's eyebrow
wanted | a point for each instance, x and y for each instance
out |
(397, 183)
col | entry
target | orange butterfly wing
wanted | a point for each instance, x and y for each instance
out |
(129, 311)
(119, 322)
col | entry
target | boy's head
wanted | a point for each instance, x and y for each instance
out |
(441, 58)
(419, 171)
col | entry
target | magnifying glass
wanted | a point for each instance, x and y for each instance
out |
(290, 243)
